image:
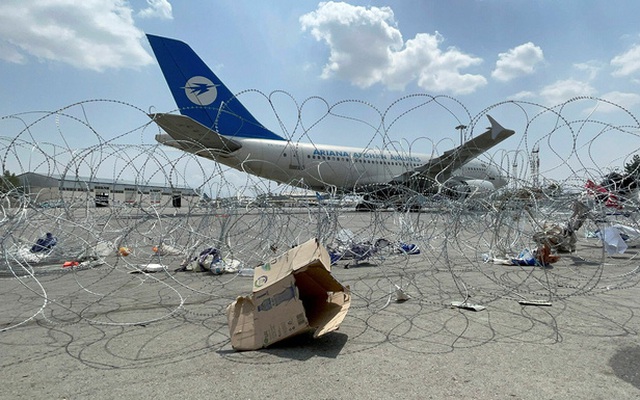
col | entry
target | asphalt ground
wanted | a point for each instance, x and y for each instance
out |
(101, 332)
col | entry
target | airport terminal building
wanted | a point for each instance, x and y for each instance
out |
(51, 190)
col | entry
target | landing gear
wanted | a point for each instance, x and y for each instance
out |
(411, 204)
(408, 207)
(366, 204)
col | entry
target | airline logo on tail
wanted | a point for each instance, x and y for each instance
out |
(200, 91)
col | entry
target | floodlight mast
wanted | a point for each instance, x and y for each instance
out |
(461, 128)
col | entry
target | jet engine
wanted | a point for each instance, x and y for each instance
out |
(461, 190)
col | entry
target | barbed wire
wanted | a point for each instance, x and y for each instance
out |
(461, 240)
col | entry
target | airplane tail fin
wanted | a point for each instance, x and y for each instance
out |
(201, 95)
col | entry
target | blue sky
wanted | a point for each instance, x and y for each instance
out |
(472, 54)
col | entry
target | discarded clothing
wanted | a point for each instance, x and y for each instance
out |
(540, 256)
(544, 256)
(202, 262)
(208, 257)
(359, 251)
(211, 260)
(407, 248)
(603, 195)
(524, 258)
(45, 243)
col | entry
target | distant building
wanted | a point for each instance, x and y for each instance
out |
(51, 190)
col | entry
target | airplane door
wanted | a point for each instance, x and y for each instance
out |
(296, 161)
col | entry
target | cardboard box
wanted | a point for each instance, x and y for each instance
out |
(292, 294)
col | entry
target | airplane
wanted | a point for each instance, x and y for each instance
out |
(214, 124)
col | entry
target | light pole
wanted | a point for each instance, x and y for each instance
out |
(461, 128)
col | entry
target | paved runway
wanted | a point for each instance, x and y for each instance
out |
(103, 333)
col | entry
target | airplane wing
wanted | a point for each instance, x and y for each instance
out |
(440, 168)
(190, 135)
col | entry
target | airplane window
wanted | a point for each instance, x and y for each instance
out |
(284, 154)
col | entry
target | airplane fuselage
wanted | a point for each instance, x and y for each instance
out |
(347, 169)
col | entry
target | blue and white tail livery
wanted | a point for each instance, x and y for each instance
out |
(214, 124)
(199, 93)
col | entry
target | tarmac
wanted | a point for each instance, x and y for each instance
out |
(102, 332)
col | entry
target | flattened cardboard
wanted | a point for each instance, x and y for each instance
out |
(292, 293)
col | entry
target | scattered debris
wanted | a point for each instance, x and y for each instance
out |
(69, 264)
(467, 306)
(149, 268)
(612, 240)
(401, 295)
(164, 249)
(408, 248)
(525, 258)
(348, 247)
(535, 303)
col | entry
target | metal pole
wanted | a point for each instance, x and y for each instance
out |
(461, 128)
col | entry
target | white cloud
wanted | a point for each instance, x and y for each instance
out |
(562, 91)
(157, 9)
(592, 68)
(627, 63)
(88, 34)
(367, 48)
(524, 95)
(11, 54)
(521, 60)
(619, 100)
